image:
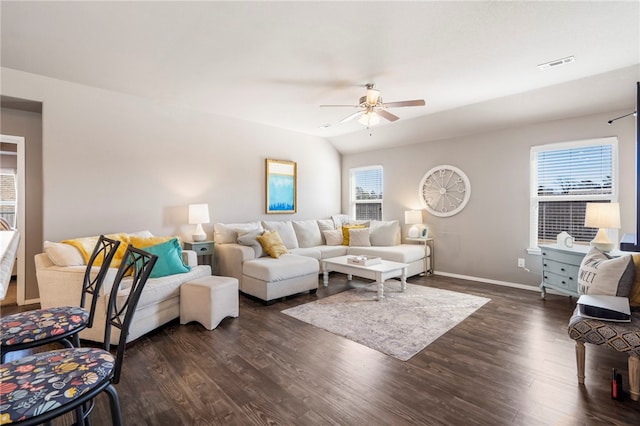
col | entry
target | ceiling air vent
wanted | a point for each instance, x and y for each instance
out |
(557, 63)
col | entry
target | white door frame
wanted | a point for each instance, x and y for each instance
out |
(19, 141)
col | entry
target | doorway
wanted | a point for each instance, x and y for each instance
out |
(13, 210)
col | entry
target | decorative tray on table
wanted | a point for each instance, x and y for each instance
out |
(364, 260)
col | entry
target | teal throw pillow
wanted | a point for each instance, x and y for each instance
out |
(169, 259)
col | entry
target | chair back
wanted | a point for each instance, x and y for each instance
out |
(104, 250)
(137, 264)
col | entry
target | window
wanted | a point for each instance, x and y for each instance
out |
(366, 193)
(8, 199)
(564, 178)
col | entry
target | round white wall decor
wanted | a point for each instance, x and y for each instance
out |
(444, 190)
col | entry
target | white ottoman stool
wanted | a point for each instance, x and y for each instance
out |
(209, 300)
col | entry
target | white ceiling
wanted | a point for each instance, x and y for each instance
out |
(474, 63)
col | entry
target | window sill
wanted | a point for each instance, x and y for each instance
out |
(534, 250)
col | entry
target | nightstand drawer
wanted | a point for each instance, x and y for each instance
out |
(559, 281)
(559, 268)
(201, 248)
(569, 258)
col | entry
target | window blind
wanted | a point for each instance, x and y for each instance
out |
(367, 193)
(566, 177)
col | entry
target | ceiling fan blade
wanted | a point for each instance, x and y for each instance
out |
(387, 115)
(417, 102)
(351, 116)
(334, 106)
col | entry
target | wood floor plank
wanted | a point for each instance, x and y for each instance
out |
(510, 362)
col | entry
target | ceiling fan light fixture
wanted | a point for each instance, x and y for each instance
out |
(369, 119)
(373, 96)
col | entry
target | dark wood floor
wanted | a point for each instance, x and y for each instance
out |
(510, 363)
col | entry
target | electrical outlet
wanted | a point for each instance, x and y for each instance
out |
(520, 262)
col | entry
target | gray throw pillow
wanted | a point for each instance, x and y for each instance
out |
(251, 239)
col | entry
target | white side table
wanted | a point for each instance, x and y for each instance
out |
(428, 242)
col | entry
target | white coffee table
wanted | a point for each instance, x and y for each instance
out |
(379, 272)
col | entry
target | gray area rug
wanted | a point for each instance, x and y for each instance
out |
(401, 325)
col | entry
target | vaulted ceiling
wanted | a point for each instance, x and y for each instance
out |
(275, 63)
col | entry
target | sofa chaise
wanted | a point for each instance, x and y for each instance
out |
(238, 254)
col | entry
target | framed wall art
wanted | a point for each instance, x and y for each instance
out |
(281, 186)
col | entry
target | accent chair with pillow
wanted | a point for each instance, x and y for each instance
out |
(601, 274)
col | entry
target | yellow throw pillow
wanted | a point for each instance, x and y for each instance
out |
(272, 244)
(86, 245)
(143, 242)
(634, 296)
(345, 232)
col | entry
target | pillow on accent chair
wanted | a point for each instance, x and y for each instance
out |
(272, 244)
(600, 274)
(333, 237)
(169, 259)
(251, 239)
(359, 237)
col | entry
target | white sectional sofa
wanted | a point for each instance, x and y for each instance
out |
(60, 273)
(238, 254)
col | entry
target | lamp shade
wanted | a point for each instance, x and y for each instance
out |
(602, 215)
(413, 217)
(198, 213)
(369, 118)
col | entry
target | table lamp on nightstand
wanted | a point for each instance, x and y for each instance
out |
(602, 216)
(198, 214)
(414, 217)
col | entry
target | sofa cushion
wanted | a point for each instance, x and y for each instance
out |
(600, 274)
(405, 253)
(313, 252)
(226, 233)
(287, 266)
(340, 219)
(333, 237)
(158, 290)
(359, 237)
(272, 244)
(285, 230)
(384, 233)
(169, 259)
(332, 251)
(251, 239)
(62, 254)
(307, 233)
(325, 225)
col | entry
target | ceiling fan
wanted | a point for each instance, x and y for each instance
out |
(371, 108)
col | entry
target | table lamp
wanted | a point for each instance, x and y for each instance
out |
(603, 216)
(414, 217)
(198, 214)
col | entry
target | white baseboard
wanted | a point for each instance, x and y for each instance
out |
(502, 283)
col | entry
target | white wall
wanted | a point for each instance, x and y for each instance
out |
(486, 238)
(118, 163)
